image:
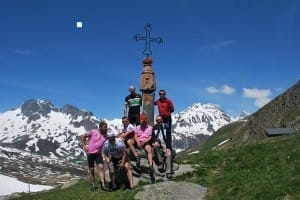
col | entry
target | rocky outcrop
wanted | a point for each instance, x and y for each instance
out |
(172, 190)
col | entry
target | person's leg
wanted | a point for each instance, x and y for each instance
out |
(131, 118)
(169, 122)
(130, 143)
(148, 149)
(92, 175)
(129, 174)
(101, 176)
(157, 154)
(168, 140)
(168, 163)
(100, 165)
(154, 153)
(137, 119)
(91, 160)
(113, 166)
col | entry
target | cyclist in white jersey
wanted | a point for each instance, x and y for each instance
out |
(116, 157)
(126, 133)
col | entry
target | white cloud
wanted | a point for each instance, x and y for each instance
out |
(225, 89)
(216, 47)
(24, 52)
(261, 102)
(256, 93)
(261, 96)
(212, 90)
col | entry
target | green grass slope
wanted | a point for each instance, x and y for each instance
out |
(79, 191)
(267, 169)
(283, 111)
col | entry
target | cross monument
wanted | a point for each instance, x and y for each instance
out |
(147, 81)
(148, 39)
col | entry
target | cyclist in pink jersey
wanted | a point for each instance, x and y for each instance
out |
(143, 135)
(93, 142)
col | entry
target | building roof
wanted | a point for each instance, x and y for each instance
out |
(279, 131)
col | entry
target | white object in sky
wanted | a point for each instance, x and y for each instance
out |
(79, 24)
(9, 185)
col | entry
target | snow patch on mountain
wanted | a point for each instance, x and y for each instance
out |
(200, 119)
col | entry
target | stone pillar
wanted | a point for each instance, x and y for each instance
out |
(148, 87)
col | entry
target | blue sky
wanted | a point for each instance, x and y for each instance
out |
(238, 54)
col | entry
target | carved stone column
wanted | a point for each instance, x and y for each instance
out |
(148, 87)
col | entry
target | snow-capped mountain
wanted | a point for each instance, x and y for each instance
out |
(37, 126)
(200, 119)
(41, 143)
(37, 132)
(197, 122)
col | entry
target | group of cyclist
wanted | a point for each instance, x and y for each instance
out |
(106, 147)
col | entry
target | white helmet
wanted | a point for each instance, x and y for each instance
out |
(110, 133)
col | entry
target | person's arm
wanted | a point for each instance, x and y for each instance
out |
(141, 102)
(156, 144)
(171, 106)
(153, 136)
(120, 133)
(130, 130)
(125, 110)
(84, 144)
(126, 134)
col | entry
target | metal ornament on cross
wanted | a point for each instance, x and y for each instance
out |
(148, 39)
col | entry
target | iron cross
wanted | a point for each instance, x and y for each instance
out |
(148, 39)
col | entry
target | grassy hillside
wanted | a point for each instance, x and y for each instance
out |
(79, 191)
(283, 111)
(229, 131)
(267, 169)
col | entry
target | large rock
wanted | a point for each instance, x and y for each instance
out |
(172, 190)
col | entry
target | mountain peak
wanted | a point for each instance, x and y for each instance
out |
(75, 112)
(198, 107)
(244, 114)
(200, 119)
(34, 107)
